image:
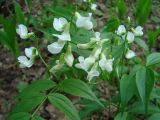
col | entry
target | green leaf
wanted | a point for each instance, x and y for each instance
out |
(19, 13)
(8, 34)
(138, 108)
(122, 8)
(127, 88)
(142, 44)
(32, 95)
(19, 116)
(143, 10)
(37, 118)
(145, 83)
(78, 88)
(29, 103)
(118, 51)
(152, 37)
(111, 25)
(153, 59)
(121, 116)
(89, 108)
(155, 116)
(64, 104)
(37, 87)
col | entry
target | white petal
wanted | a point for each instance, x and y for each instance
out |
(81, 59)
(28, 51)
(89, 61)
(93, 6)
(24, 62)
(106, 64)
(84, 22)
(22, 31)
(56, 68)
(102, 63)
(130, 54)
(121, 30)
(92, 73)
(85, 63)
(97, 34)
(138, 31)
(56, 47)
(88, 25)
(97, 52)
(65, 36)
(68, 57)
(109, 65)
(130, 37)
(58, 24)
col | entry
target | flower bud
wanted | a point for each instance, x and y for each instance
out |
(87, 45)
(68, 57)
(58, 66)
(130, 54)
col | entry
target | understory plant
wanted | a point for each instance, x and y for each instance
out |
(81, 57)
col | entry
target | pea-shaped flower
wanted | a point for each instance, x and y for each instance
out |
(84, 22)
(121, 30)
(59, 23)
(106, 64)
(93, 72)
(65, 36)
(130, 37)
(28, 60)
(85, 64)
(22, 31)
(130, 54)
(56, 47)
(138, 31)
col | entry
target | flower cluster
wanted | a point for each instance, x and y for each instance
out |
(31, 52)
(61, 25)
(130, 37)
(97, 62)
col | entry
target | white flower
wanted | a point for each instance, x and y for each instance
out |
(138, 31)
(106, 64)
(84, 64)
(28, 51)
(130, 37)
(84, 22)
(97, 36)
(121, 30)
(93, 72)
(130, 54)
(65, 36)
(93, 6)
(57, 67)
(87, 45)
(22, 31)
(96, 52)
(68, 57)
(56, 47)
(28, 60)
(24, 62)
(59, 23)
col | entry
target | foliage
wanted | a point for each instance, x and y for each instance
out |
(82, 59)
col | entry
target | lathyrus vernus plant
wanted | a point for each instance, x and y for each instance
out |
(103, 59)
